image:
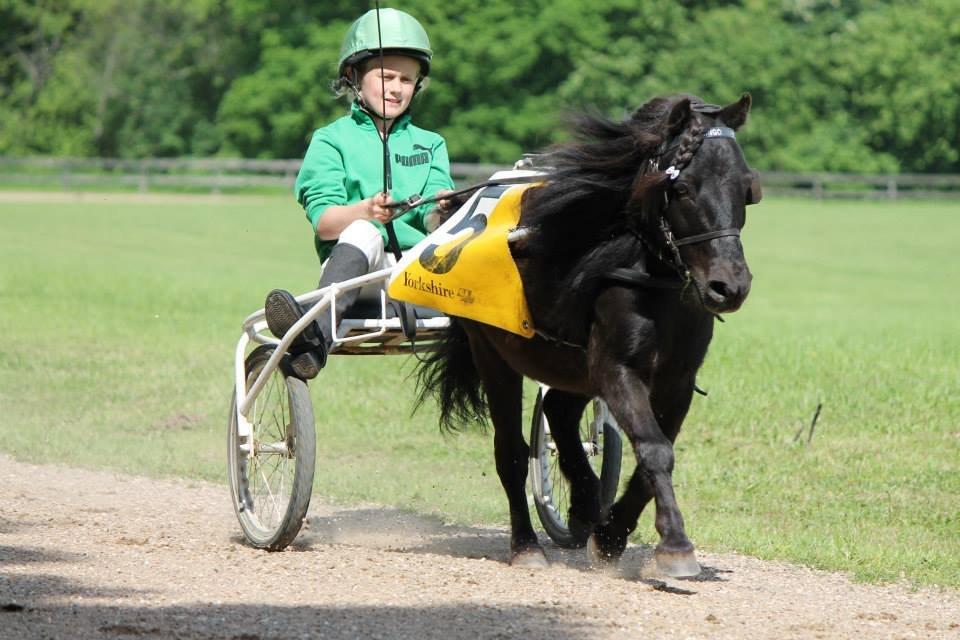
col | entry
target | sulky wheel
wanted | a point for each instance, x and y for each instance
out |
(271, 471)
(551, 496)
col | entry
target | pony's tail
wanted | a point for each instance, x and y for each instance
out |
(448, 374)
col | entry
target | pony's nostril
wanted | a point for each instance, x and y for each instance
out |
(719, 290)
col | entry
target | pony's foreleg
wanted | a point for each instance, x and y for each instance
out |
(653, 477)
(670, 407)
(504, 391)
(563, 411)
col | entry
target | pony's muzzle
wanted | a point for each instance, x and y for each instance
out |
(725, 296)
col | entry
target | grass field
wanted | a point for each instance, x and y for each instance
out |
(120, 320)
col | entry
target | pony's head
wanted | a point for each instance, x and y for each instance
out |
(693, 193)
(668, 181)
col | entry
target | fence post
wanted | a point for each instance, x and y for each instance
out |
(144, 183)
(892, 187)
(818, 187)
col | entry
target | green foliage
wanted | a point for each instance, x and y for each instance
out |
(272, 111)
(905, 88)
(838, 86)
(129, 80)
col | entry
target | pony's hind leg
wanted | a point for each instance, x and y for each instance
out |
(563, 411)
(610, 539)
(504, 391)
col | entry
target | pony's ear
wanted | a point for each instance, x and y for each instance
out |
(679, 117)
(734, 115)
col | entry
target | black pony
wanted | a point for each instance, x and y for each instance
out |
(629, 249)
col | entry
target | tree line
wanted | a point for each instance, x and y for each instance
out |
(866, 86)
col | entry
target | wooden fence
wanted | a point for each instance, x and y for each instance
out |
(221, 175)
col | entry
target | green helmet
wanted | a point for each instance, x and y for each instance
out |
(399, 34)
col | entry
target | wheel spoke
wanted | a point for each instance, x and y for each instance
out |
(269, 498)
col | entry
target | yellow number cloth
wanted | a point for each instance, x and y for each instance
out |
(465, 269)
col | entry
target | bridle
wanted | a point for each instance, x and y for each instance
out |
(669, 249)
(672, 242)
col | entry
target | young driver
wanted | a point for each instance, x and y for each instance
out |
(340, 184)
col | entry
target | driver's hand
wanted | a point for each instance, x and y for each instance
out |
(377, 208)
(444, 205)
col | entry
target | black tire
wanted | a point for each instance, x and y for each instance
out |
(271, 488)
(550, 487)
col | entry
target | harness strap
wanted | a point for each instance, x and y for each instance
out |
(566, 343)
(638, 278)
(641, 279)
(703, 237)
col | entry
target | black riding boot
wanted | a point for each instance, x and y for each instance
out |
(308, 352)
(345, 262)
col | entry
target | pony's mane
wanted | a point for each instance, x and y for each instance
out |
(598, 188)
(600, 164)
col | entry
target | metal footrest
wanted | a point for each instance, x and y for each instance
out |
(392, 340)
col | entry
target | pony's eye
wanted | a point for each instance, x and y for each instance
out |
(681, 189)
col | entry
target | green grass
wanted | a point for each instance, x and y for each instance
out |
(120, 322)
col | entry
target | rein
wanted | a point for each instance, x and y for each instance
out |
(638, 278)
(416, 200)
(393, 244)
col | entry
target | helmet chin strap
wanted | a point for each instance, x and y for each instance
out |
(357, 96)
(354, 84)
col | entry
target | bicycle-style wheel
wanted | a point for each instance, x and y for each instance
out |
(551, 489)
(271, 470)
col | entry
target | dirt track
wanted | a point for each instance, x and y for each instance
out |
(89, 554)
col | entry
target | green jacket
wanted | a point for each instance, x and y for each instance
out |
(344, 164)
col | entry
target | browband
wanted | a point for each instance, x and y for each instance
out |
(713, 132)
(720, 132)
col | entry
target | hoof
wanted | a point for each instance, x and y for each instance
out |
(598, 557)
(529, 558)
(677, 564)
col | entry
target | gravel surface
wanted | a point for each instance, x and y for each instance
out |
(94, 554)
